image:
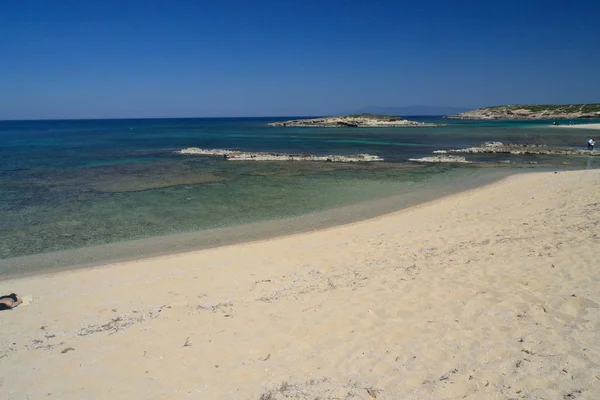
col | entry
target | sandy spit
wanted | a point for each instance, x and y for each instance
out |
(578, 126)
(493, 293)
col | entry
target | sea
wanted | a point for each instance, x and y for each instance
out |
(77, 193)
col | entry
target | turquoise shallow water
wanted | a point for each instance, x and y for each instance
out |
(68, 185)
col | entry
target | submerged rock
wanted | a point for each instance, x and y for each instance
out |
(520, 149)
(441, 159)
(235, 155)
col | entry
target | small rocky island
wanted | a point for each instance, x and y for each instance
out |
(354, 121)
(532, 112)
(235, 155)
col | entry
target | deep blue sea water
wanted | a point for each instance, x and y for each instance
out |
(79, 183)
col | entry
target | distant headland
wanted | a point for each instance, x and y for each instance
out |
(532, 112)
(354, 121)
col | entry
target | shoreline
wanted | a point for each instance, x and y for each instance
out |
(158, 246)
(473, 295)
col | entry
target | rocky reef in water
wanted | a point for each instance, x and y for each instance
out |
(354, 121)
(235, 155)
(441, 159)
(520, 149)
(532, 112)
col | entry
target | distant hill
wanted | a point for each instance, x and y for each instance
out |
(412, 110)
(533, 112)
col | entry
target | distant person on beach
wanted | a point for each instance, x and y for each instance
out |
(10, 301)
(591, 144)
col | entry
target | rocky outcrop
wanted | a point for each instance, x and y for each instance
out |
(355, 121)
(520, 149)
(234, 155)
(441, 159)
(532, 112)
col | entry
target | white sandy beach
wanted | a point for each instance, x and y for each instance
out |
(578, 126)
(489, 294)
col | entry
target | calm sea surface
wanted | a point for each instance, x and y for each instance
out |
(67, 185)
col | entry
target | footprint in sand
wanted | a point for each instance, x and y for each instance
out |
(577, 306)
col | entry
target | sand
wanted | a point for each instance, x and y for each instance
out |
(578, 126)
(490, 293)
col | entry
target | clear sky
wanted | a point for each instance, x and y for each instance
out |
(149, 58)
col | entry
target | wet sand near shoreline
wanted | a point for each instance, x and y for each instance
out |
(578, 126)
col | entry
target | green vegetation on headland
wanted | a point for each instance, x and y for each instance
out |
(533, 112)
(354, 121)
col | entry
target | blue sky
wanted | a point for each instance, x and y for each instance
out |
(86, 59)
